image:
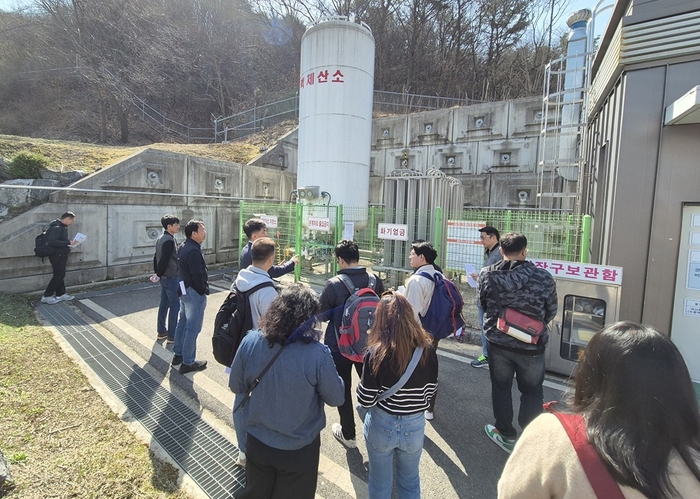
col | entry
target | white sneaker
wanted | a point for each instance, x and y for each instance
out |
(241, 459)
(338, 434)
(65, 297)
(51, 300)
(429, 416)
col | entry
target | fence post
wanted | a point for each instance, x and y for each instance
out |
(337, 233)
(297, 242)
(438, 234)
(241, 221)
(509, 221)
(569, 233)
(371, 230)
(586, 239)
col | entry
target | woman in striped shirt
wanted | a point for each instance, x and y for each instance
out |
(396, 425)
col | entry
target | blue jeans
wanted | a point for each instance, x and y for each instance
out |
(189, 325)
(484, 342)
(169, 302)
(529, 374)
(388, 436)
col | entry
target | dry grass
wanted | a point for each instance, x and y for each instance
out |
(67, 156)
(58, 435)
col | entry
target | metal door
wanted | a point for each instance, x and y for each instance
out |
(685, 326)
(584, 309)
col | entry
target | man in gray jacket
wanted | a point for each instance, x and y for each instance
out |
(520, 285)
(492, 254)
(263, 256)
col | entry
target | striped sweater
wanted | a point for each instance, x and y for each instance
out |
(412, 398)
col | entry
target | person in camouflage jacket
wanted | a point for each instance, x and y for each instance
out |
(528, 289)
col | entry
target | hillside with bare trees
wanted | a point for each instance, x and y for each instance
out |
(73, 69)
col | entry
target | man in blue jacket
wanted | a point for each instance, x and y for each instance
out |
(57, 238)
(194, 288)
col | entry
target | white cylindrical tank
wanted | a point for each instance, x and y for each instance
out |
(335, 113)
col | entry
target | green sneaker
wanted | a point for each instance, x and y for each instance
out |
(482, 361)
(504, 443)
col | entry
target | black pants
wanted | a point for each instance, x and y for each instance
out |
(347, 411)
(56, 284)
(280, 474)
(432, 400)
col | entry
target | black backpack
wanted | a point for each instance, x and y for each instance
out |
(41, 245)
(232, 323)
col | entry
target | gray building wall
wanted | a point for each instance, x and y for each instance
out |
(642, 172)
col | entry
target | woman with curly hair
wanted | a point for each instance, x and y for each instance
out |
(639, 413)
(395, 426)
(284, 415)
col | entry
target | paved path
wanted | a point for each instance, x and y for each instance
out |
(459, 461)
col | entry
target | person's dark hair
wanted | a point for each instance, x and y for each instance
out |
(426, 249)
(253, 225)
(262, 249)
(513, 243)
(169, 220)
(192, 226)
(634, 390)
(396, 333)
(348, 251)
(68, 214)
(490, 231)
(291, 317)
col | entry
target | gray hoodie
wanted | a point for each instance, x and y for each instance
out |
(260, 300)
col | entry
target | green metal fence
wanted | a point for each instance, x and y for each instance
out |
(312, 231)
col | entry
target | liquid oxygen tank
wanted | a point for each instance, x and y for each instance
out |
(335, 116)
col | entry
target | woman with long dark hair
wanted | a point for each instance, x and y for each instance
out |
(395, 426)
(641, 416)
(284, 415)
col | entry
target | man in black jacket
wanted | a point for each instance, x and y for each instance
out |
(520, 285)
(57, 238)
(332, 304)
(194, 288)
(166, 272)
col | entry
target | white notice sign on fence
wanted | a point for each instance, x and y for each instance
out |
(396, 232)
(320, 224)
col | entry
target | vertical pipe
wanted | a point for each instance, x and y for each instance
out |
(438, 235)
(586, 239)
(297, 242)
(509, 221)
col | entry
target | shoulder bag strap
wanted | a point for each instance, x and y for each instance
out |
(417, 353)
(256, 381)
(602, 482)
(347, 282)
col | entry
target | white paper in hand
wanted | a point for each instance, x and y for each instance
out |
(79, 238)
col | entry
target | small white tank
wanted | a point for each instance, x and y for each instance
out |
(336, 89)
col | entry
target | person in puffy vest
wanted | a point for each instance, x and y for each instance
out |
(57, 238)
(532, 291)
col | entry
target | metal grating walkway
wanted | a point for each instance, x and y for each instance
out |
(203, 453)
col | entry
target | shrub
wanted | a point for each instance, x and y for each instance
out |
(27, 165)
